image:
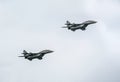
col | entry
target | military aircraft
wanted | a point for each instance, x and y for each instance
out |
(38, 55)
(74, 26)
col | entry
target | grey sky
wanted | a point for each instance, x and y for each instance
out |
(89, 56)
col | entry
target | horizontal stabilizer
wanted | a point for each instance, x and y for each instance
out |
(64, 27)
(21, 56)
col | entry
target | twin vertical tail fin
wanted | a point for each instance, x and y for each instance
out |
(24, 52)
(67, 23)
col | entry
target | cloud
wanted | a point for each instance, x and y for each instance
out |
(87, 56)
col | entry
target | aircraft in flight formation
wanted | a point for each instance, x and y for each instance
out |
(82, 26)
(70, 26)
(38, 55)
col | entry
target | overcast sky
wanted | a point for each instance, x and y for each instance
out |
(81, 56)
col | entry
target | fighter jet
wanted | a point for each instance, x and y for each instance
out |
(74, 26)
(38, 55)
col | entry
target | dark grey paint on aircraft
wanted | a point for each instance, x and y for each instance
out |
(82, 26)
(38, 55)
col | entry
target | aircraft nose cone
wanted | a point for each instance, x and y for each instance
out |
(90, 22)
(94, 22)
(50, 51)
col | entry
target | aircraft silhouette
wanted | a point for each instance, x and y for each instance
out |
(38, 55)
(82, 26)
